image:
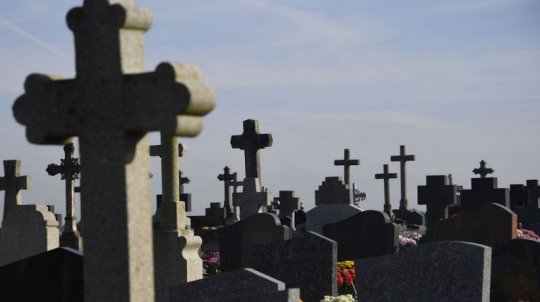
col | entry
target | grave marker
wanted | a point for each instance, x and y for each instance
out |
(227, 177)
(437, 195)
(347, 162)
(483, 171)
(251, 141)
(12, 183)
(111, 105)
(251, 200)
(403, 158)
(69, 170)
(386, 177)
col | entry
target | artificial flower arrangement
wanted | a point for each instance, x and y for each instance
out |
(527, 234)
(211, 263)
(408, 240)
(342, 298)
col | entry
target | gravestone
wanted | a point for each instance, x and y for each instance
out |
(288, 295)
(524, 201)
(435, 271)
(12, 183)
(386, 176)
(491, 225)
(69, 170)
(366, 234)
(347, 162)
(402, 158)
(437, 195)
(515, 271)
(26, 231)
(251, 141)
(307, 262)
(226, 178)
(483, 189)
(333, 203)
(288, 203)
(252, 199)
(300, 217)
(237, 241)
(227, 287)
(110, 106)
(55, 275)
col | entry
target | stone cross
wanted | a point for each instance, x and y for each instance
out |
(288, 203)
(12, 183)
(226, 178)
(252, 200)
(403, 158)
(110, 105)
(182, 180)
(386, 176)
(437, 195)
(156, 150)
(251, 141)
(483, 171)
(347, 162)
(69, 170)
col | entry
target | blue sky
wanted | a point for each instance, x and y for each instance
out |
(455, 81)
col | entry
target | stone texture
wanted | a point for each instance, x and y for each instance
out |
(484, 190)
(491, 225)
(12, 183)
(515, 271)
(307, 262)
(55, 275)
(252, 199)
(366, 234)
(241, 282)
(236, 241)
(28, 230)
(332, 191)
(317, 217)
(435, 271)
(437, 195)
(110, 106)
(288, 295)
(251, 141)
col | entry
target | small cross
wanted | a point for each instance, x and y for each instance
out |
(437, 195)
(12, 183)
(403, 158)
(226, 178)
(251, 141)
(346, 162)
(483, 171)
(386, 176)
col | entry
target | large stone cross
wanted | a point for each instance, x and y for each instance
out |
(402, 158)
(483, 171)
(347, 162)
(12, 183)
(251, 141)
(437, 195)
(386, 176)
(69, 170)
(226, 178)
(110, 105)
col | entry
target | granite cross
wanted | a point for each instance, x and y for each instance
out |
(437, 195)
(533, 194)
(12, 183)
(402, 158)
(251, 141)
(110, 105)
(483, 171)
(253, 199)
(347, 162)
(386, 176)
(69, 170)
(288, 203)
(226, 178)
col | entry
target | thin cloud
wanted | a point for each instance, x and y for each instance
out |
(14, 28)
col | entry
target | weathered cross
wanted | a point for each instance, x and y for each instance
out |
(12, 183)
(402, 158)
(437, 195)
(252, 199)
(288, 203)
(386, 176)
(483, 171)
(226, 178)
(110, 105)
(251, 141)
(347, 162)
(69, 170)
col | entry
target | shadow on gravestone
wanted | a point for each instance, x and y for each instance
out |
(307, 262)
(435, 271)
(236, 241)
(515, 271)
(52, 276)
(366, 234)
(28, 230)
(491, 225)
(226, 287)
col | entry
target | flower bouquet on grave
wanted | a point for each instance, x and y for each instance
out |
(340, 298)
(211, 263)
(527, 234)
(346, 275)
(408, 240)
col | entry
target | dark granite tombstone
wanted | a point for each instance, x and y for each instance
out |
(366, 234)
(236, 241)
(483, 189)
(437, 194)
(214, 217)
(492, 224)
(518, 196)
(223, 287)
(524, 200)
(12, 183)
(515, 271)
(435, 271)
(307, 262)
(52, 276)
(299, 217)
(288, 203)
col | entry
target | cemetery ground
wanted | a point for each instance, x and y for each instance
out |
(474, 244)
